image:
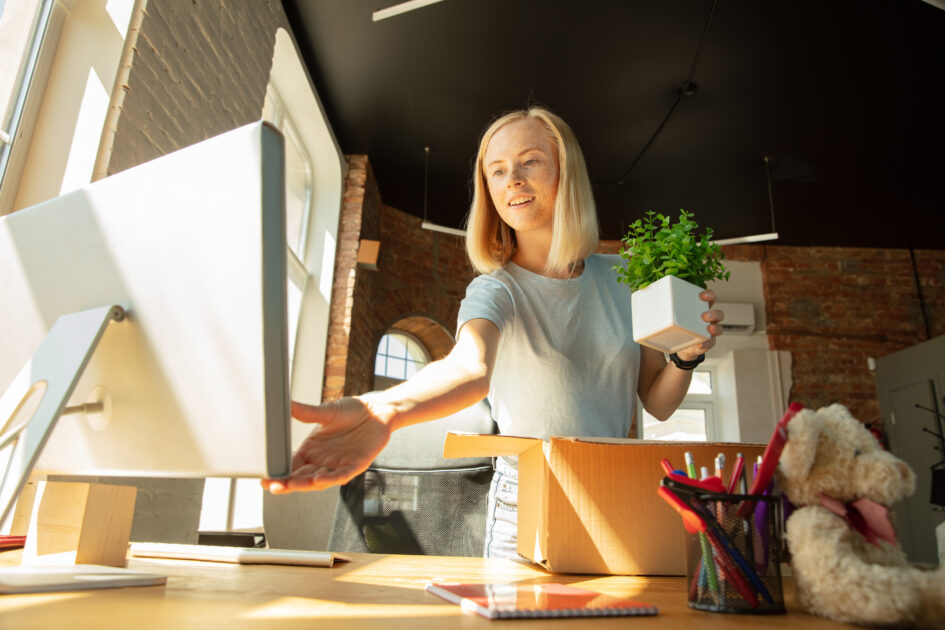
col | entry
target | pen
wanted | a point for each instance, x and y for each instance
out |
(742, 475)
(690, 464)
(737, 470)
(720, 473)
(760, 537)
(707, 560)
(696, 586)
(746, 523)
(667, 466)
(720, 514)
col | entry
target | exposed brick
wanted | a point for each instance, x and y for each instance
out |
(833, 308)
(199, 69)
(420, 273)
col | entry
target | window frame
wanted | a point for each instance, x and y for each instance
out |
(26, 97)
(707, 403)
(411, 339)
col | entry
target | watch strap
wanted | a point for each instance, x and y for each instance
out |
(686, 365)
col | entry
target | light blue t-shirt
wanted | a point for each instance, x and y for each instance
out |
(567, 364)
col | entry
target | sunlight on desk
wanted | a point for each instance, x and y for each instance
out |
(10, 604)
(616, 585)
(413, 572)
(300, 607)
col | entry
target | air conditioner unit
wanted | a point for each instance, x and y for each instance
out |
(739, 317)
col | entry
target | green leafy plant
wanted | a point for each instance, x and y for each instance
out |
(654, 247)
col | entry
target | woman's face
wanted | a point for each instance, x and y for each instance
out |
(521, 169)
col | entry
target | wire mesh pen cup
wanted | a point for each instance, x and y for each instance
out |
(735, 565)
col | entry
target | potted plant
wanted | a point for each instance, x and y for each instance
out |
(667, 267)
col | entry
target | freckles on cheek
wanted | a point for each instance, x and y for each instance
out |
(496, 201)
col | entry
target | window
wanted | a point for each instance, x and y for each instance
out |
(298, 198)
(399, 356)
(298, 167)
(312, 203)
(25, 26)
(694, 420)
(21, 31)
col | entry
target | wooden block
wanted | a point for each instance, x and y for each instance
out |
(368, 251)
(23, 511)
(80, 523)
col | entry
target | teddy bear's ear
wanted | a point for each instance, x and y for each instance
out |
(800, 451)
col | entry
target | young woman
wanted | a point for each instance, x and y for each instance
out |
(544, 332)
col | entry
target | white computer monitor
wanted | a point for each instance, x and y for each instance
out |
(194, 379)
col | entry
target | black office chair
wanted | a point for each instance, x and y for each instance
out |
(412, 500)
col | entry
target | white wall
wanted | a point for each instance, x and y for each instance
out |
(754, 382)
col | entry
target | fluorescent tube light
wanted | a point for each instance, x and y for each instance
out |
(754, 238)
(426, 225)
(397, 9)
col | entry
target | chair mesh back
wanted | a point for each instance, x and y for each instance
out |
(413, 500)
(433, 512)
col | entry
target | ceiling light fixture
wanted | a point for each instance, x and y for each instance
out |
(754, 238)
(757, 238)
(403, 7)
(427, 225)
(433, 227)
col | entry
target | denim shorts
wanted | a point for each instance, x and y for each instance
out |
(502, 511)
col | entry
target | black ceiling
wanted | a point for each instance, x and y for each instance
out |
(845, 97)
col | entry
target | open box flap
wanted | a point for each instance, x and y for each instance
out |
(460, 444)
(641, 442)
(463, 444)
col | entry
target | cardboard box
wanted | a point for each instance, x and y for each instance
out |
(589, 505)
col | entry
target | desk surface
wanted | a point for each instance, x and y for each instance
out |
(371, 591)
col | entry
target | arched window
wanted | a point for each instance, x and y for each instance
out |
(400, 355)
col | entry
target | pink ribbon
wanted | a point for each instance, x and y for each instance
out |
(867, 517)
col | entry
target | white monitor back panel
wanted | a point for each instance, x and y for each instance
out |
(192, 245)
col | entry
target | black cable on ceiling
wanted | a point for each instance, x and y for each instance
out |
(918, 289)
(426, 174)
(683, 90)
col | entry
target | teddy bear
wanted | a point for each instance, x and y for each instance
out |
(845, 559)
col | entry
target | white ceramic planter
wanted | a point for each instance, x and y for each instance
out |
(667, 315)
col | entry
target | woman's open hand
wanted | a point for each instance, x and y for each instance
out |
(349, 435)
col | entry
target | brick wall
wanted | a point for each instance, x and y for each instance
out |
(419, 273)
(834, 308)
(199, 69)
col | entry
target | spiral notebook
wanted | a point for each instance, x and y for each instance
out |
(529, 600)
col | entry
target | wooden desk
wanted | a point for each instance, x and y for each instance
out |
(371, 591)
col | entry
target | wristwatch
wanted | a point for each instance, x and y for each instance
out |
(686, 365)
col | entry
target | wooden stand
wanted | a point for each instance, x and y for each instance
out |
(79, 523)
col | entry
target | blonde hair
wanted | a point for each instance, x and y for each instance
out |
(490, 242)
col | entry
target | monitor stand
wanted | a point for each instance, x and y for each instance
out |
(51, 374)
(77, 577)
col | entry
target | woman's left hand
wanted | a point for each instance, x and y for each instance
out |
(713, 316)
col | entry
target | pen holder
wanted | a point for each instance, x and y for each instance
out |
(735, 565)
